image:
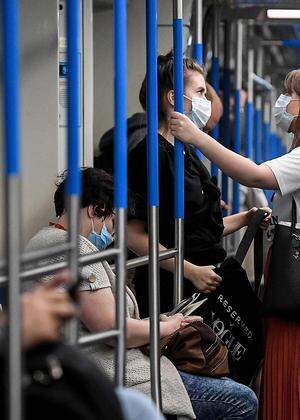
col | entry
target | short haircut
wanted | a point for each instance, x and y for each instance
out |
(97, 189)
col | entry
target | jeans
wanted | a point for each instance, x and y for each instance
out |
(220, 398)
(136, 406)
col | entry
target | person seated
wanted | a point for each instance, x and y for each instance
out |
(45, 303)
(44, 309)
(211, 398)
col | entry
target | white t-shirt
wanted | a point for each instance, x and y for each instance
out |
(287, 172)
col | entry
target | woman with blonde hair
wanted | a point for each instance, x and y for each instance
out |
(280, 392)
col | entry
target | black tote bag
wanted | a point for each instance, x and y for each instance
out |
(282, 295)
(236, 308)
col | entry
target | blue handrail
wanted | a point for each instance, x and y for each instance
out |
(178, 89)
(266, 142)
(152, 118)
(226, 129)
(198, 53)
(11, 86)
(291, 43)
(73, 24)
(120, 103)
(257, 135)
(249, 130)
(198, 56)
(215, 85)
(237, 147)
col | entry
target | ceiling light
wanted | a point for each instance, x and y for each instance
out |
(283, 14)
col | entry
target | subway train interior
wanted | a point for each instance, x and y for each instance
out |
(149, 207)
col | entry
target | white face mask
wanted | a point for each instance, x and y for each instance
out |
(201, 111)
(282, 117)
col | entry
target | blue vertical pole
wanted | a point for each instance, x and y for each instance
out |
(73, 186)
(249, 104)
(237, 147)
(120, 178)
(152, 116)
(179, 153)
(120, 99)
(258, 133)
(266, 141)
(258, 116)
(198, 53)
(153, 199)
(226, 105)
(279, 145)
(73, 180)
(249, 129)
(215, 76)
(198, 45)
(237, 107)
(11, 86)
(267, 148)
(178, 89)
(11, 74)
(274, 146)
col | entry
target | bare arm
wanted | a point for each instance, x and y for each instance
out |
(204, 278)
(237, 167)
(98, 314)
(235, 222)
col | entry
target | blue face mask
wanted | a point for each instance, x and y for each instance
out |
(102, 240)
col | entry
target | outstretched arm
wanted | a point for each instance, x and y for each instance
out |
(237, 167)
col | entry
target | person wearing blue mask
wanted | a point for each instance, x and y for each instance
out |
(100, 240)
(97, 313)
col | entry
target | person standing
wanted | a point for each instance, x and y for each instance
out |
(280, 391)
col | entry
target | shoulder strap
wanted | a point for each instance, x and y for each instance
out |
(253, 232)
(249, 235)
(294, 214)
(258, 259)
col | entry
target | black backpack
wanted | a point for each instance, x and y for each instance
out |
(136, 132)
(60, 383)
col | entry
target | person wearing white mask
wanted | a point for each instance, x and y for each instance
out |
(204, 225)
(280, 397)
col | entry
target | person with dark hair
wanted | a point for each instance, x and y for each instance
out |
(97, 303)
(98, 192)
(97, 291)
(44, 309)
(204, 225)
(137, 129)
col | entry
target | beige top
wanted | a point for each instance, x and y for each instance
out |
(175, 399)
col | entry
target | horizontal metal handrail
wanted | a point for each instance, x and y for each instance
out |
(89, 259)
(51, 268)
(144, 260)
(94, 337)
(39, 254)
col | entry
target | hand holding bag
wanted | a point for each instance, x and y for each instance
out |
(195, 348)
(282, 295)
